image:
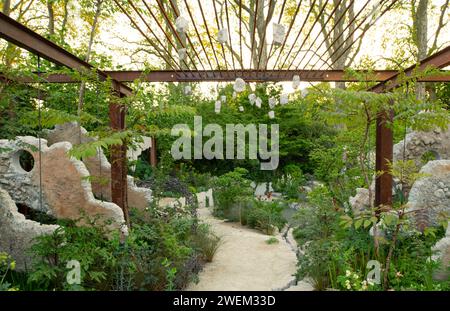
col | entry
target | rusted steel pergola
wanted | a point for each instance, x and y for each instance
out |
(223, 66)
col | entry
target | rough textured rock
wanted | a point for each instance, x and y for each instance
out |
(430, 195)
(17, 233)
(99, 167)
(442, 249)
(360, 201)
(416, 144)
(66, 191)
(413, 147)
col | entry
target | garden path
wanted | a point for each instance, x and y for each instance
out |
(245, 262)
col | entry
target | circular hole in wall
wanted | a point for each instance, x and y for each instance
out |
(428, 156)
(26, 160)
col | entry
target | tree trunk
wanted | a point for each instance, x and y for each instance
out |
(51, 18)
(87, 58)
(6, 7)
(421, 34)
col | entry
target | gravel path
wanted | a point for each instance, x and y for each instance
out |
(244, 261)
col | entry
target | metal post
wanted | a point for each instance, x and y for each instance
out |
(384, 156)
(153, 156)
(118, 160)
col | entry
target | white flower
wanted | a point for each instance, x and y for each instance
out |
(279, 33)
(271, 114)
(258, 102)
(155, 104)
(295, 82)
(182, 53)
(187, 90)
(241, 109)
(239, 85)
(234, 95)
(348, 273)
(222, 36)
(217, 107)
(272, 102)
(181, 24)
(252, 98)
(223, 99)
(284, 99)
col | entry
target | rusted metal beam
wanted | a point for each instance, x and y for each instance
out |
(438, 60)
(24, 37)
(231, 75)
(384, 156)
(118, 160)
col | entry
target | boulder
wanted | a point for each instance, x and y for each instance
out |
(416, 144)
(430, 195)
(442, 254)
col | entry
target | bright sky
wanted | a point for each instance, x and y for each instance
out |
(117, 38)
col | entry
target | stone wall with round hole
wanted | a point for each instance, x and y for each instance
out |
(428, 156)
(22, 161)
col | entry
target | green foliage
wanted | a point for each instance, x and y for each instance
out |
(290, 182)
(7, 264)
(232, 191)
(272, 240)
(85, 244)
(266, 216)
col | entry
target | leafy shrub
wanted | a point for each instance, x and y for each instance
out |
(231, 192)
(87, 245)
(206, 242)
(266, 216)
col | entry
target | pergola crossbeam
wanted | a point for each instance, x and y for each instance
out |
(230, 75)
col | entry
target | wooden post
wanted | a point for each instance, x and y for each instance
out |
(384, 156)
(119, 160)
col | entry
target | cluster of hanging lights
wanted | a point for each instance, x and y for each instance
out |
(279, 34)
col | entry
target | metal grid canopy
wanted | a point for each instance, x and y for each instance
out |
(305, 46)
(209, 61)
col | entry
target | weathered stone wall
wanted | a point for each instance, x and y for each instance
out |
(17, 233)
(99, 167)
(66, 191)
(416, 144)
(430, 195)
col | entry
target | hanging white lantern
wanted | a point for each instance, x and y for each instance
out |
(284, 99)
(182, 53)
(222, 36)
(272, 102)
(181, 24)
(252, 98)
(271, 114)
(258, 102)
(239, 85)
(223, 99)
(241, 109)
(279, 32)
(304, 92)
(295, 82)
(217, 106)
(187, 90)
